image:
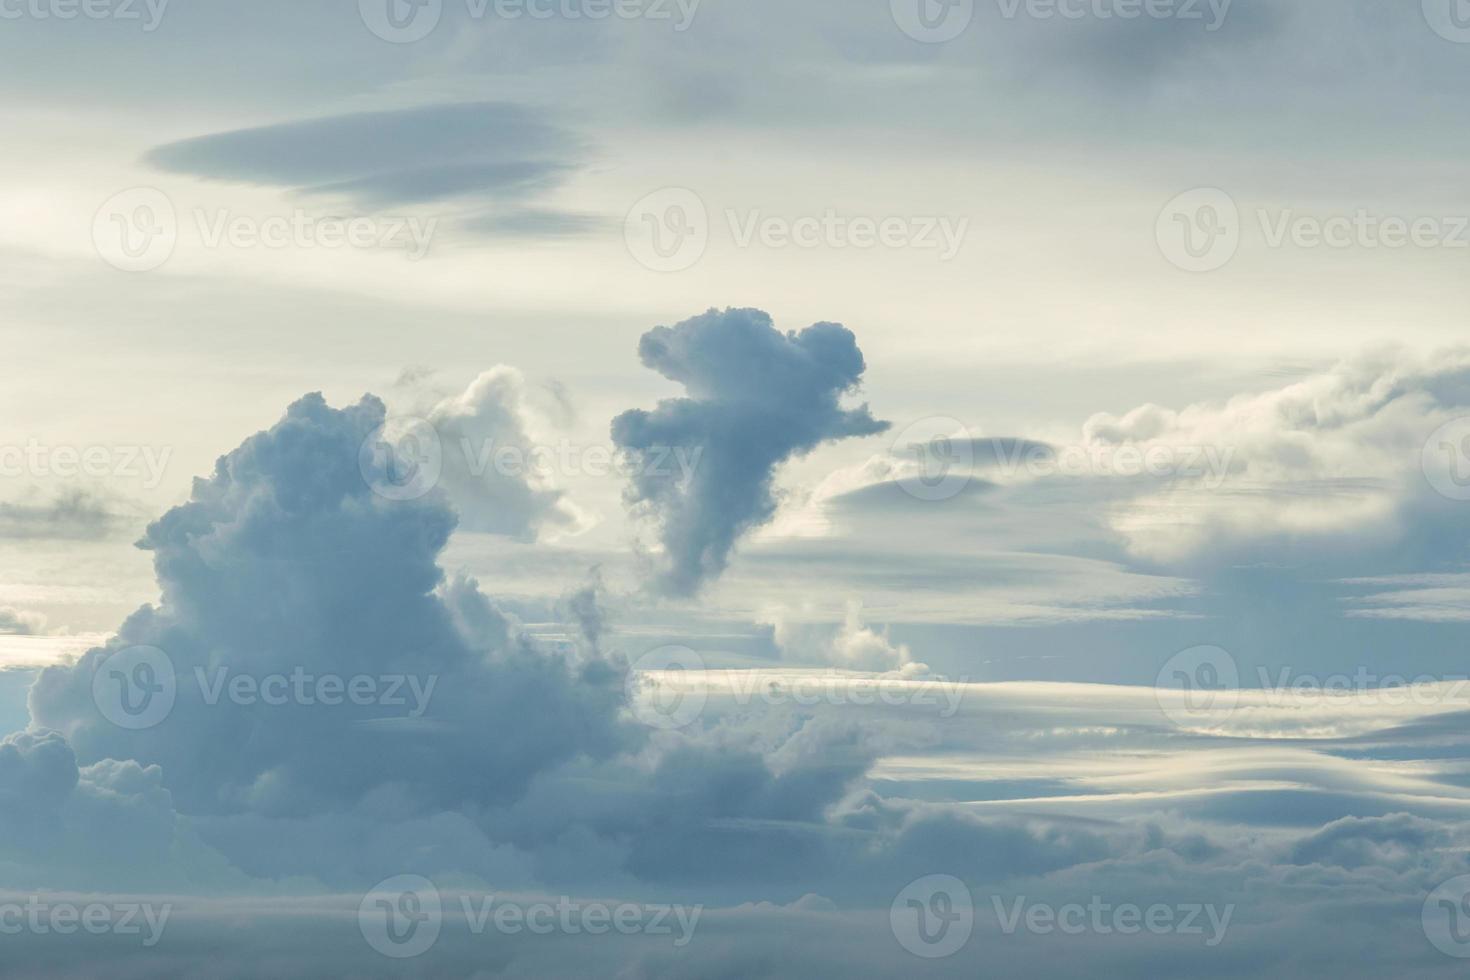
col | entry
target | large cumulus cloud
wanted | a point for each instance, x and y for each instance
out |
(755, 398)
(285, 561)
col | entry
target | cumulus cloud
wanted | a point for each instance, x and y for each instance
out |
(285, 562)
(852, 646)
(755, 398)
(498, 473)
(1338, 457)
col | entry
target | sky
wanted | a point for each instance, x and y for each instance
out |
(696, 488)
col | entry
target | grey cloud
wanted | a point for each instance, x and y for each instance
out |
(756, 398)
(400, 156)
(19, 622)
(77, 514)
(492, 470)
(285, 559)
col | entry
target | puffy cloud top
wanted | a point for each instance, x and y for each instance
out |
(285, 563)
(756, 397)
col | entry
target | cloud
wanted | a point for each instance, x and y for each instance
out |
(286, 563)
(19, 622)
(755, 398)
(486, 150)
(852, 646)
(499, 474)
(75, 514)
